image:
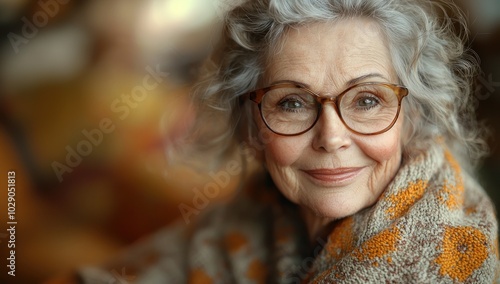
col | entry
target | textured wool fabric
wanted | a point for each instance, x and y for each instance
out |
(433, 224)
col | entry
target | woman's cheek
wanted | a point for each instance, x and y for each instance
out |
(382, 150)
(385, 152)
(283, 151)
(279, 162)
(385, 147)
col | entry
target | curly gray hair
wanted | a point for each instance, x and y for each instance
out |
(428, 56)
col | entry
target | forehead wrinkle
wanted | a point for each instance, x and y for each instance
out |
(288, 69)
(332, 77)
(305, 69)
(376, 61)
(327, 71)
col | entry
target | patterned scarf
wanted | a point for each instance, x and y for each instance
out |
(433, 224)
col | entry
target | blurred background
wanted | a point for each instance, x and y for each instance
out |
(91, 94)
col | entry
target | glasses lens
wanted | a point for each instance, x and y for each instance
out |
(369, 108)
(289, 110)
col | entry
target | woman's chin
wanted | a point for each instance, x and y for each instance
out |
(333, 209)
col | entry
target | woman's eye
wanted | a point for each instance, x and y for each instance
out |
(367, 102)
(291, 104)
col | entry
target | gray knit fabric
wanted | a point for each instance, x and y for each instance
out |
(433, 224)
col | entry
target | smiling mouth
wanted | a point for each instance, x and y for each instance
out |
(334, 176)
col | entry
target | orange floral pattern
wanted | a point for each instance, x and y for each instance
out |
(402, 201)
(379, 245)
(423, 232)
(235, 241)
(341, 238)
(464, 250)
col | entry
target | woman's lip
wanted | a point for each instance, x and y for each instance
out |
(337, 175)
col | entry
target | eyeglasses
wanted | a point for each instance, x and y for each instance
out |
(291, 109)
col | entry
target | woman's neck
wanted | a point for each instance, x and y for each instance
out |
(317, 227)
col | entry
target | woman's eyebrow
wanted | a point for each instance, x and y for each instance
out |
(348, 84)
(364, 77)
(289, 81)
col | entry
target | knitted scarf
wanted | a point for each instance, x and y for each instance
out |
(432, 224)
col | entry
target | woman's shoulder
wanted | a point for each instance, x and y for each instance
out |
(157, 258)
(164, 256)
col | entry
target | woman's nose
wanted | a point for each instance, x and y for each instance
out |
(330, 134)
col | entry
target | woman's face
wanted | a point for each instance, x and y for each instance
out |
(330, 170)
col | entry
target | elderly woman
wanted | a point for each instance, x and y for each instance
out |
(360, 113)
